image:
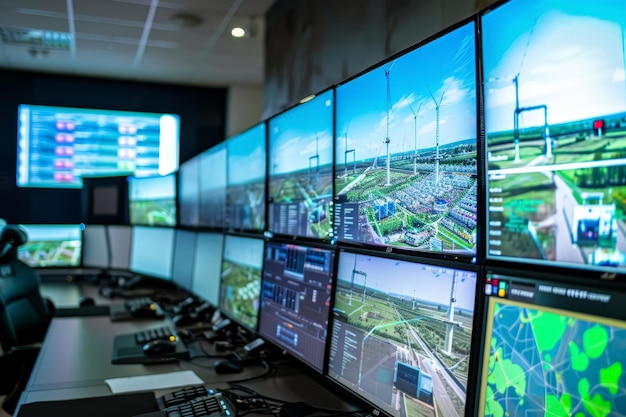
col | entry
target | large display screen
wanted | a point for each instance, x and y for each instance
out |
(189, 192)
(552, 349)
(184, 254)
(555, 121)
(152, 251)
(245, 192)
(301, 170)
(405, 150)
(152, 200)
(57, 146)
(107, 247)
(213, 187)
(52, 245)
(207, 266)
(240, 287)
(295, 299)
(401, 334)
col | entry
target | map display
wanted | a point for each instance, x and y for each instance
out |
(548, 362)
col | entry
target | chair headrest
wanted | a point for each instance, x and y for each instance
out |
(11, 237)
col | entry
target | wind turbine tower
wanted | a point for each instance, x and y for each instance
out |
(345, 158)
(447, 347)
(387, 139)
(437, 157)
(415, 115)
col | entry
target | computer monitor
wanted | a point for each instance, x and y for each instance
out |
(189, 192)
(295, 299)
(152, 251)
(402, 332)
(552, 347)
(52, 245)
(245, 191)
(240, 285)
(184, 254)
(105, 200)
(213, 187)
(300, 169)
(207, 267)
(406, 150)
(97, 253)
(152, 200)
(555, 124)
(57, 146)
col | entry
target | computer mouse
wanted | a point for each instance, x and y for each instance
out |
(228, 366)
(86, 302)
(158, 347)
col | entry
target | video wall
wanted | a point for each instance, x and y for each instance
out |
(443, 234)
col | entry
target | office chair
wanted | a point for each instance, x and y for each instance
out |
(24, 316)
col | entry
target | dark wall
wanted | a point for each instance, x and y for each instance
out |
(202, 114)
(311, 45)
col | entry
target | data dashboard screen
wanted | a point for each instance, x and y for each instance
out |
(555, 122)
(57, 146)
(552, 349)
(295, 299)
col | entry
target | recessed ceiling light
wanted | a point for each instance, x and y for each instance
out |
(238, 32)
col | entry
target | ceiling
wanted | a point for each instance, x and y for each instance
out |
(136, 39)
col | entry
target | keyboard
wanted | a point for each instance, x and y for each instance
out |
(137, 308)
(128, 347)
(210, 404)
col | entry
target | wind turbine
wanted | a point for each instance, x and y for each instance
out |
(345, 156)
(437, 157)
(387, 139)
(415, 115)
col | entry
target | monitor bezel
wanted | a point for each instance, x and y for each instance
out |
(477, 322)
(175, 180)
(268, 232)
(79, 226)
(332, 249)
(228, 314)
(480, 155)
(520, 273)
(588, 271)
(265, 142)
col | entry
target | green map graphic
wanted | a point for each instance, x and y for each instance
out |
(546, 364)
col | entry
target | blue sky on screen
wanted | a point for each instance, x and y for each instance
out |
(246, 156)
(568, 55)
(213, 168)
(431, 283)
(53, 232)
(292, 135)
(153, 188)
(244, 251)
(445, 67)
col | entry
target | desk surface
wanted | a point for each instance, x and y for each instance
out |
(75, 359)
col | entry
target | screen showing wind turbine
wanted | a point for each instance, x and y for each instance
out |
(301, 170)
(401, 334)
(245, 189)
(555, 121)
(405, 150)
